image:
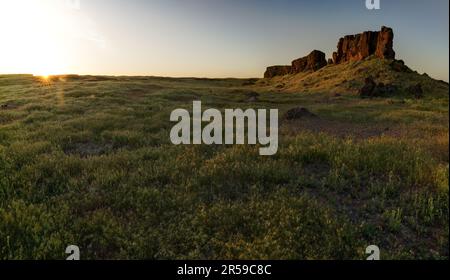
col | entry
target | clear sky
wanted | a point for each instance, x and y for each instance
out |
(207, 38)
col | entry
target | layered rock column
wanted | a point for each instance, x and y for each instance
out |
(358, 47)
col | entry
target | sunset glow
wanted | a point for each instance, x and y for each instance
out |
(219, 38)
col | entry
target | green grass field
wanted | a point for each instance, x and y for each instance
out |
(87, 160)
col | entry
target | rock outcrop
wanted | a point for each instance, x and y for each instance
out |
(399, 66)
(360, 46)
(279, 70)
(350, 48)
(372, 89)
(312, 62)
(368, 88)
(416, 90)
(298, 113)
(252, 96)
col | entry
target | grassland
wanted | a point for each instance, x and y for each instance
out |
(87, 160)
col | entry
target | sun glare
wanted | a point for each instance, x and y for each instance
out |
(34, 44)
(42, 76)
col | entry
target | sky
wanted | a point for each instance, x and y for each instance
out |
(207, 38)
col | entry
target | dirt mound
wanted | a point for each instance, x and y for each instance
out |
(298, 113)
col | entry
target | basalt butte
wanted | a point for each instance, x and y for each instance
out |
(350, 48)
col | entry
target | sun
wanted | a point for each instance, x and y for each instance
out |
(44, 74)
(44, 77)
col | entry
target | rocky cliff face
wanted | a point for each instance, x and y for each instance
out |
(312, 62)
(360, 46)
(279, 70)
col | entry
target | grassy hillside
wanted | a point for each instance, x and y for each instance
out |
(88, 161)
(348, 78)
